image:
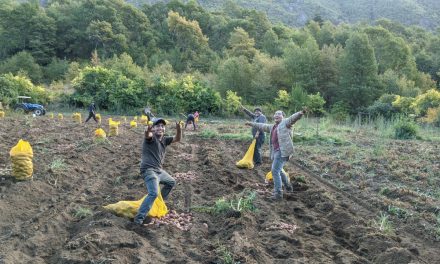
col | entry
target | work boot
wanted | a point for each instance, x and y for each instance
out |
(276, 197)
(289, 188)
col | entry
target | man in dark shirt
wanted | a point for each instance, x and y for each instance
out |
(153, 154)
(258, 134)
(92, 110)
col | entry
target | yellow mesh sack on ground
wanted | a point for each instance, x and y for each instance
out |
(98, 117)
(247, 162)
(135, 118)
(269, 176)
(2, 114)
(129, 209)
(100, 133)
(77, 117)
(114, 131)
(21, 157)
(51, 115)
(60, 116)
(133, 124)
(144, 120)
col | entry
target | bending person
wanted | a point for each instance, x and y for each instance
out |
(258, 134)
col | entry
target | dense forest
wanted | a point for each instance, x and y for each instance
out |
(424, 13)
(180, 57)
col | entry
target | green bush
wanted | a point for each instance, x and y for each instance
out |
(12, 86)
(108, 88)
(340, 111)
(232, 103)
(56, 70)
(405, 129)
(381, 109)
(430, 99)
(23, 63)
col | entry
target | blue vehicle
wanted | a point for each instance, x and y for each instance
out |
(37, 109)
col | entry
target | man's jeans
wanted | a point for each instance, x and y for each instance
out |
(279, 177)
(152, 179)
(257, 152)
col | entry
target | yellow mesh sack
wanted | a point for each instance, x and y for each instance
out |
(247, 162)
(133, 124)
(144, 120)
(60, 116)
(129, 209)
(98, 117)
(135, 118)
(21, 157)
(2, 114)
(77, 117)
(100, 133)
(51, 115)
(269, 176)
(114, 131)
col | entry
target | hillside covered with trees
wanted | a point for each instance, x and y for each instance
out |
(424, 13)
(181, 57)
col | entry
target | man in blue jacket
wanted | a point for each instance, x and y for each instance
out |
(92, 112)
(258, 117)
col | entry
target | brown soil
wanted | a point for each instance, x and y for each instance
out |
(38, 223)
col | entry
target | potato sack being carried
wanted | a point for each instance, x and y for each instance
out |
(129, 209)
(21, 157)
(247, 162)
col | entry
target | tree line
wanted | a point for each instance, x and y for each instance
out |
(188, 58)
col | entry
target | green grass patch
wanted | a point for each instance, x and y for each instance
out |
(384, 224)
(209, 133)
(82, 212)
(244, 202)
(398, 212)
(318, 139)
(57, 164)
(225, 256)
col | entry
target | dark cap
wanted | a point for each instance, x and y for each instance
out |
(258, 108)
(159, 120)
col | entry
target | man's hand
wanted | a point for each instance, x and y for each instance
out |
(149, 132)
(178, 135)
(305, 110)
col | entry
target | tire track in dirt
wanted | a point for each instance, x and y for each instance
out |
(368, 210)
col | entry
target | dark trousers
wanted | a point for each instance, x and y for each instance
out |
(257, 152)
(90, 116)
(190, 120)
